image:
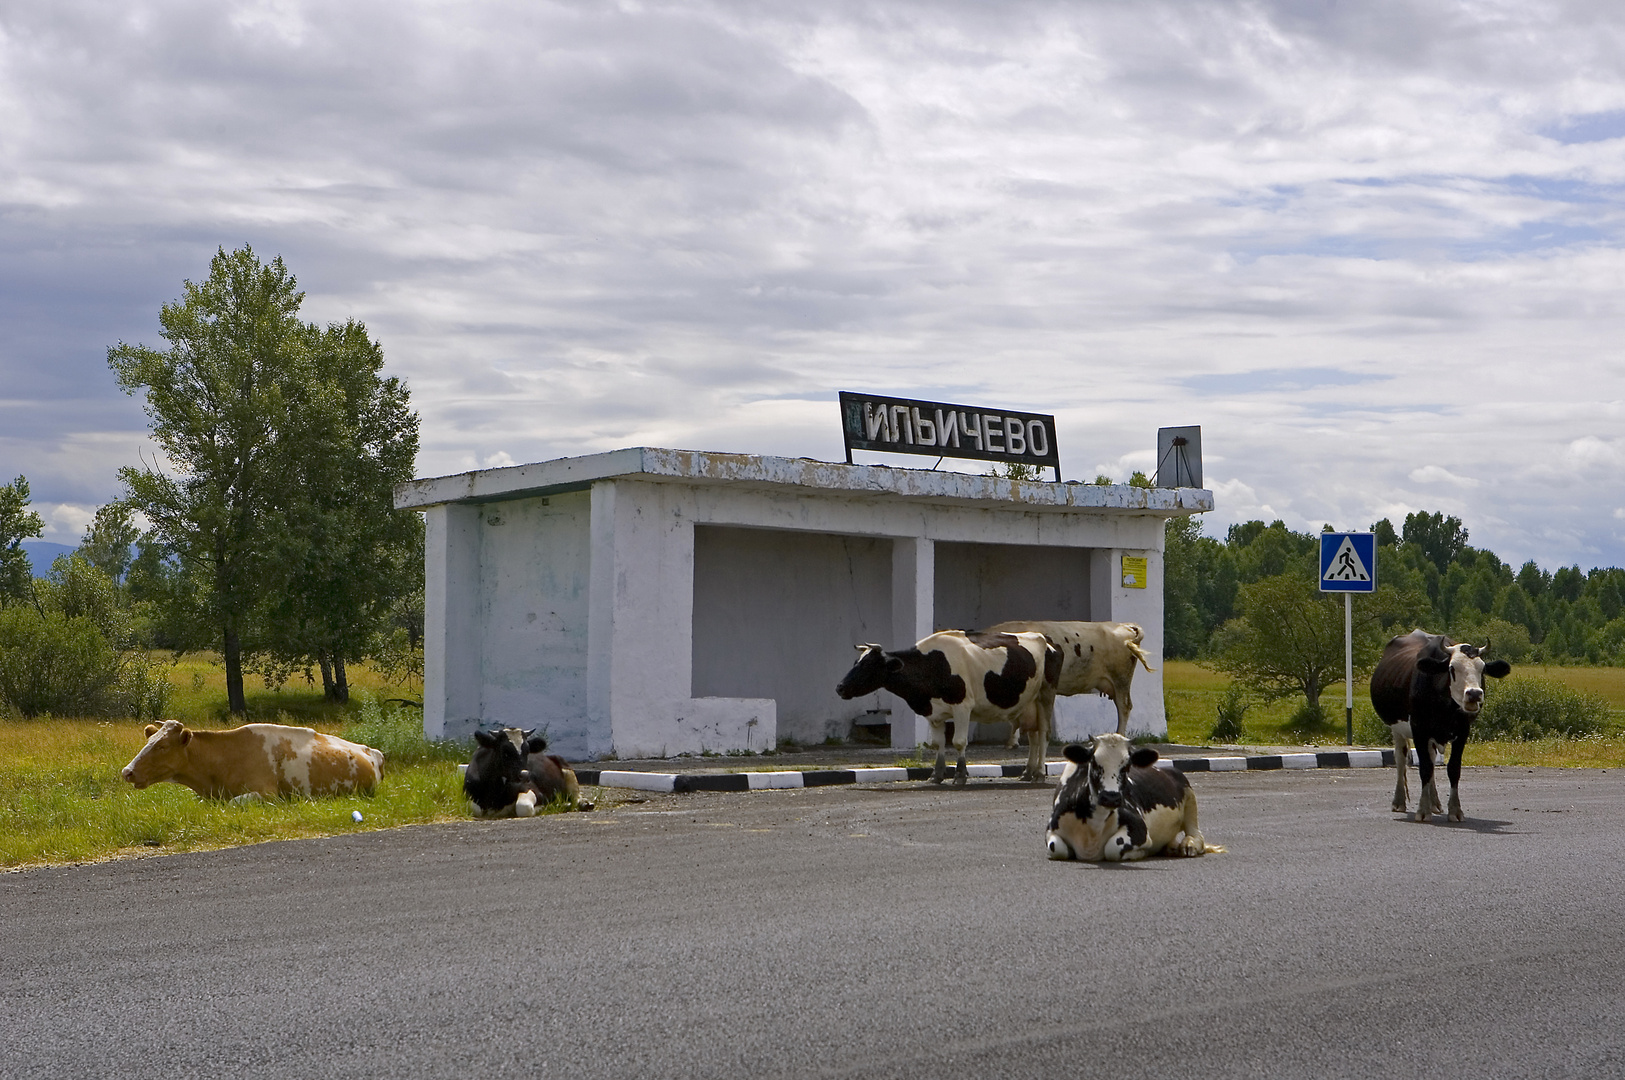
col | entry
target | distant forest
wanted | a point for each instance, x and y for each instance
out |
(1428, 574)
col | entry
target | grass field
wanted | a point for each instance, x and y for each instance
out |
(1192, 692)
(62, 799)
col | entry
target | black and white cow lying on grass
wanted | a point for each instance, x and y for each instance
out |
(1428, 690)
(1114, 805)
(959, 676)
(509, 775)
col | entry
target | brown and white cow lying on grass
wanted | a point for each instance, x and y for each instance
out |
(1115, 806)
(960, 677)
(255, 761)
(1096, 657)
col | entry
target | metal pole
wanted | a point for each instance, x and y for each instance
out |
(1348, 663)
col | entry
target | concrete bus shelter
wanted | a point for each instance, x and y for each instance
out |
(648, 602)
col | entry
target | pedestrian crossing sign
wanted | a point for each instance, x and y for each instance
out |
(1348, 562)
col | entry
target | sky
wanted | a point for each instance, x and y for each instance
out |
(1375, 250)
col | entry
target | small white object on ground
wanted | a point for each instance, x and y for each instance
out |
(355, 815)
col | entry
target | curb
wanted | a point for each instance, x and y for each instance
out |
(683, 783)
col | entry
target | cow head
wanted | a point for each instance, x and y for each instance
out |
(1094, 784)
(869, 673)
(1464, 667)
(162, 757)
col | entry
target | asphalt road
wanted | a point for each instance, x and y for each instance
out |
(894, 931)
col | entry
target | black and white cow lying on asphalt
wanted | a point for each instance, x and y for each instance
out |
(509, 775)
(1115, 806)
(959, 676)
(1428, 690)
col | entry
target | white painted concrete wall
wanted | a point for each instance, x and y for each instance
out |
(576, 607)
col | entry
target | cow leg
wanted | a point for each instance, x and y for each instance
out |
(1042, 712)
(1128, 842)
(1428, 800)
(1402, 750)
(1124, 706)
(1194, 843)
(1437, 755)
(939, 740)
(961, 738)
(525, 805)
(1453, 770)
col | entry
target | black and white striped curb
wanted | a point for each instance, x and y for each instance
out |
(761, 781)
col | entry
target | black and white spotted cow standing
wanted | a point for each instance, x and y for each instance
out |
(959, 676)
(1114, 805)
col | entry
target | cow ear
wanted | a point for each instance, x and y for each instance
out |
(1078, 755)
(1432, 665)
(1498, 669)
(1143, 757)
(186, 735)
(484, 738)
(151, 730)
(894, 663)
(536, 744)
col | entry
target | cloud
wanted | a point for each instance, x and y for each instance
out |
(1356, 243)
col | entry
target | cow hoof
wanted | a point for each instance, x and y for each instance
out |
(959, 781)
(1399, 806)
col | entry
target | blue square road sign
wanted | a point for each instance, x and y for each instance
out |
(1348, 562)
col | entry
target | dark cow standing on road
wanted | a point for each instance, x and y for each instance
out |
(1428, 690)
(1115, 806)
(959, 676)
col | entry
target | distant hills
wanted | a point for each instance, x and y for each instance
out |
(42, 553)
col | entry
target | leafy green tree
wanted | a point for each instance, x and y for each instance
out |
(1289, 637)
(273, 525)
(346, 555)
(1439, 538)
(17, 523)
(109, 541)
(218, 398)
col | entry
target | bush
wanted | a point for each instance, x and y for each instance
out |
(66, 666)
(1531, 708)
(397, 730)
(1233, 706)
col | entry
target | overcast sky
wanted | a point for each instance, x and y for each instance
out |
(1375, 249)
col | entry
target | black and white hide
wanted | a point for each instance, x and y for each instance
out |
(1114, 805)
(964, 677)
(510, 774)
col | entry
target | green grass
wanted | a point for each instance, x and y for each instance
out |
(1191, 694)
(199, 695)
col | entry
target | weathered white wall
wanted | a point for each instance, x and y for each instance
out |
(535, 560)
(697, 604)
(776, 615)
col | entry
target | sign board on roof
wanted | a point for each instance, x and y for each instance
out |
(939, 429)
(1348, 562)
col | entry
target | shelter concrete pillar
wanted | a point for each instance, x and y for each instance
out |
(451, 621)
(913, 599)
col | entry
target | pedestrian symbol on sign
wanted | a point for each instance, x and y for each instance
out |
(1346, 564)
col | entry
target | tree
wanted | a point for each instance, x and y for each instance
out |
(277, 436)
(17, 523)
(346, 554)
(1289, 637)
(109, 541)
(1439, 538)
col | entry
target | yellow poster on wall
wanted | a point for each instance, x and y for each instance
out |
(1133, 571)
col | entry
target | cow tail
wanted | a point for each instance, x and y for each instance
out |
(1141, 655)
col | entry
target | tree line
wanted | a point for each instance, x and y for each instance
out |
(267, 531)
(1250, 603)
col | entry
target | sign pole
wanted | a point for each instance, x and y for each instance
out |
(1348, 663)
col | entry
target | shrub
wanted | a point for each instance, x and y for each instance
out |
(55, 664)
(397, 730)
(1532, 708)
(1233, 706)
